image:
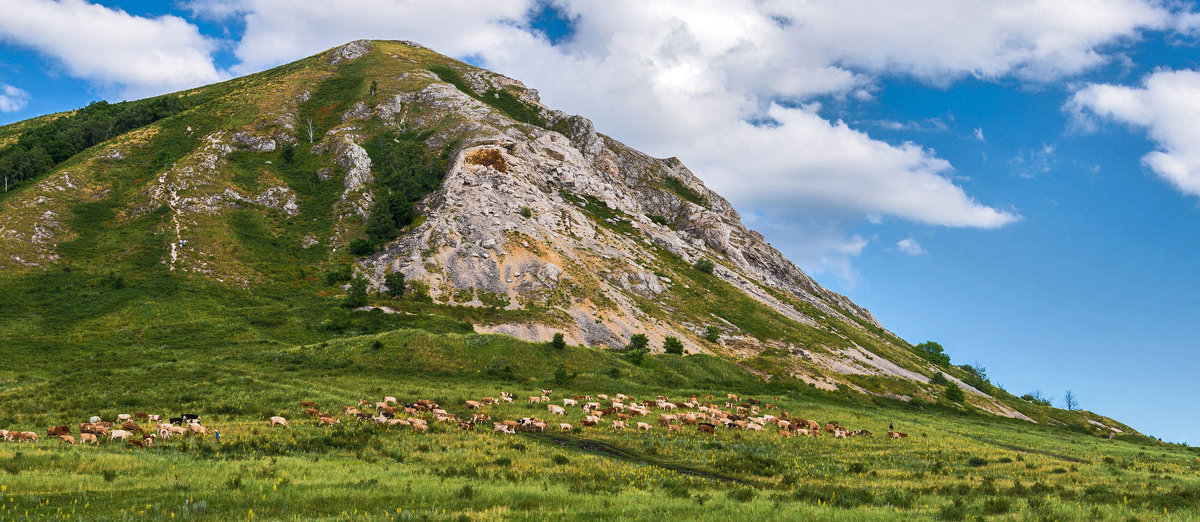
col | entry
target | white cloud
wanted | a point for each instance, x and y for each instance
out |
(979, 134)
(910, 246)
(111, 47)
(1030, 163)
(12, 98)
(1167, 106)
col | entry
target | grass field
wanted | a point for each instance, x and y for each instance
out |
(952, 466)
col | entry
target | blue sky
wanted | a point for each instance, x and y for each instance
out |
(982, 177)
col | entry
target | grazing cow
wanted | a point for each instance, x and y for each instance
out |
(389, 409)
(131, 426)
(674, 427)
(466, 426)
(641, 426)
(88, 437)
(196, 429)
(307, 404)
(864, 433)
(327, 421)
(312, 412)
(474, 405)
(802, 431)
(174, 420)
(754, 426)
(154, 418)
(480, 418)
(570, 402)
(896, 435)
(4, 434)
(563, 426)
(389, 399)
(360, 417)
(277, 420)
(618, 425)
(546, 393)
(94, 419)
(556, 409)
(786, 433)
(67, 439)
(141, 415)
(123, 417)
(706, 427)
(364, 402)
(811, 425)
(55, 431)
(502, 428)
(351, 410)
(118, 434)
(840, 434)
(190, 417)
(534, 399)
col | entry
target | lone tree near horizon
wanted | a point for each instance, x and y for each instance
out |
(1070, 400)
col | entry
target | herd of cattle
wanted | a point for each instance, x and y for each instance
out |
(125, 429)
(618, 412)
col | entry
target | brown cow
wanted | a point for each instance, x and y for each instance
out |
(67, 439)
(706, 427)
(307, 404)
(328, 421)
(88, 437)
(141, 415)
(131, 426)
(55, 431)
(312, 412)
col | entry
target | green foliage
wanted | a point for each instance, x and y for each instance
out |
(939, 379)
(638, 342)
(356, 295)
(395, 283)
(505, 101)
(933, 352)
(526, 212)
(361, 247)
(673, 346)
(705, 265)
(636, 356)
(42, 146)
(338, 274)
(562, 377)
(406, 171)
(558, 342)
(712, 334)
(681, 190)
(374, 87)
(655, 218)
(954, 393)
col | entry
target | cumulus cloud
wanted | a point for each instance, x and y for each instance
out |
(12, 98)
(910, 246)
(1167, 106)
(111, 47)
(730, 86)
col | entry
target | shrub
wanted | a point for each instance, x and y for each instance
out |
(467, 492)
(377, 345)
(857, 467)
(954, 393)
(338, 275)
(954, 511)
(705, 265)
(356, 296)
(977, 462)
(996, 506)
(395, 283)
(673, 346)
(560, 460)
(939, 379)
(558, 342)
(741, 494)
(635, 357)
(361, 247)
(712, 334)
(109, 475)
(562, 378)
(526, 212)
(638, 342)
(933, 352)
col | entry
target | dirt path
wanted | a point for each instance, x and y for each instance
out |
(604, 449)
(1014, 447)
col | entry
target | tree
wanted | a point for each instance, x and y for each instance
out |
(361, 247)
(311, 130)
(395, 283)
(954, 393)
(638, 342)
(939, 379)
(712, 334)
(356, 296)
(1070, 400)
(705, 265)
(558, 342)
(673, 346)
(932, 351)
(562, 378)
(374, 87)
(636, 357)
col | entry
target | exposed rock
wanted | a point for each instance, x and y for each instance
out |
(349, 52)
(254, 143)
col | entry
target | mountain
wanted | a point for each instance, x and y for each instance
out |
(284, 192)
